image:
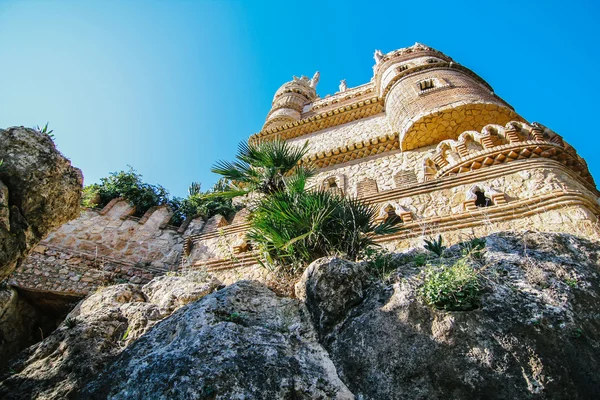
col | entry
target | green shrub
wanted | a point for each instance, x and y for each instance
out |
(293, 228)
(380, 263)
(143, 196)
(474, 248)
(126, 184)
(205, 205)
(453, 288)
(265, 167)
(435, 246)
(420, 260)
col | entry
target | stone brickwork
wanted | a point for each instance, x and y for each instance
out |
(347, 134)
(73, 273)
(113, 232)
(104, 247)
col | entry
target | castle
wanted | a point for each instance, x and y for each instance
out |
(426, 140)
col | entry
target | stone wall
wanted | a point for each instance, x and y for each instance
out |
(382, 168)
(112, 232)
(68, 272)
(103, 247)
(346, 134)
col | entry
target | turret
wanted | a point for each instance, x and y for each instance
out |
(430, 98)
(289, 101)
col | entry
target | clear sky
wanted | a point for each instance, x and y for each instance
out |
(170, 87)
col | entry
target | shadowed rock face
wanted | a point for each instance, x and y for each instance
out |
(39, 191)
(242, 342)
(94, 333)
(536, 334)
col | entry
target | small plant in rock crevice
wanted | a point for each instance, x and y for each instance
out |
(473, 249)
(420, 260)
(71, 322)
(379, 263)
(45, 130)
(435, 246)
(572, 282)
(453, 287)
(126, 334)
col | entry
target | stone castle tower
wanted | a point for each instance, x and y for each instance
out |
(426, 141)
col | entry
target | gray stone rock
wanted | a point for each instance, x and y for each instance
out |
(330, 287)
(242, 342)
(96, 331)
(17, 324)
(171, 292)
(531, 338)
(39, 189)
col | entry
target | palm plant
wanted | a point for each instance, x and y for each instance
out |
(294, 227)
(290, 226)
(264, 167)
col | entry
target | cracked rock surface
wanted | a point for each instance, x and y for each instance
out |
(39, 191)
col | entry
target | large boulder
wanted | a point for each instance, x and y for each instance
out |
(330, 287)
(39, 191)
(242, 342)
(535, 335)
(95, 332)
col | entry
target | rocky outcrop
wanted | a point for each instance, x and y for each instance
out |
(96, 331)
(536, 334)
(18, 322)
(242, 342)
(39, 191)
(330, 287)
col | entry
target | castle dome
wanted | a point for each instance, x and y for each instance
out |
(290, 99)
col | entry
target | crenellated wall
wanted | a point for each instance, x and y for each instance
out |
(103, 247)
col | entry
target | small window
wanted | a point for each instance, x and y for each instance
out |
(426, 84)
(432, 61)
(481, 200)
(402, 68)
(392, 217)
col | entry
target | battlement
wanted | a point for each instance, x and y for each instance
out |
(104, 246)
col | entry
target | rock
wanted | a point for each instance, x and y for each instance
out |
(38, 187)
(18, 322)
(330, 287)
(96, 331)
(172, 292)
(242, 342)
(531, 338)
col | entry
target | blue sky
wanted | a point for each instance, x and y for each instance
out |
(170, 87)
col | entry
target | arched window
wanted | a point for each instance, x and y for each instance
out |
(479, 196)
(392, 217)
(481, 200)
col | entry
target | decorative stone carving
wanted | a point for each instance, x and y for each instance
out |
(402, 213)
(315, 80)
(334, 184)
(343, 86)
(491, 197)
(366, 188)
(378, 56)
